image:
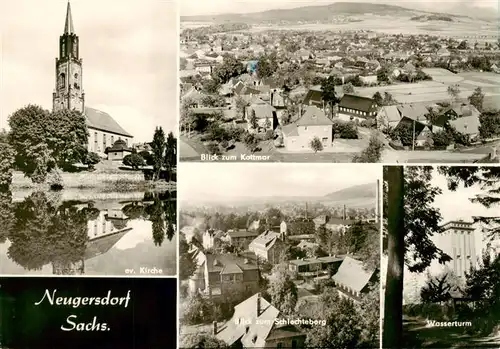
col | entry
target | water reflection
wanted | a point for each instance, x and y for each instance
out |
(42, 234)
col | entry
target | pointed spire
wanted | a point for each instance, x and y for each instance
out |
(68, 25)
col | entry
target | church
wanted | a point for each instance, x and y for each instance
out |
(104, 131)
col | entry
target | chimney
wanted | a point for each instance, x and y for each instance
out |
(258, 304)
(214, 324)
(345, 213)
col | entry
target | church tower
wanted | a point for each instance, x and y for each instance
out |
(68, 93)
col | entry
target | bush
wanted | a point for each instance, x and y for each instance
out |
(6, 164)
(316, 144)
(234, 133)
(441, 139)
(91, 160)
(133, 160)
(269, 135)
(345, 130)
(214, 148)
(55, 180)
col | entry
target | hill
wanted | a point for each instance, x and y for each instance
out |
(311, 13)
(355, 192)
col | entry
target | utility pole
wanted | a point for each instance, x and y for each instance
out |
(413, 136)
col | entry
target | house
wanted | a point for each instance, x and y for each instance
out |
(268, 246)
(352, 107)
(240, 238)
(368, 79)
(333, 223)
(443, 52)
(353, 279)
(118, 151)
(467, 125)
(204, 67)
(256, 324)
(223, 274)
(388, 118)
(314, 267)
(312, 124)
(265, 114)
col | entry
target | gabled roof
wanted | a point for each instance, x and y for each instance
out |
(357, 103)
(104, 122)
(391, 112)
(263, 111)
(415, 111)
(241, 233)
(225, 263)
(266, 240)
(314, 117)
(468, 125)
(352, 274)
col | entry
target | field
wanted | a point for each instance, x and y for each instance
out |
(436, 90)
(459, 29)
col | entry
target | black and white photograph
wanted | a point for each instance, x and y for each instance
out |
(323, 81)
(88, 138)
(441, 258)
(279, 256)
(81, 313)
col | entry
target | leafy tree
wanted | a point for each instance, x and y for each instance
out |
(133, 160)
(266, 67)
(345, 130)
(348, 88)
(377, 97)
(373, 152)
(441, 139)
(6, 165)
(158, 151)
(230, 67)
(254, 122)
(187, 261)
(462, 45)
(389, 99)
(477, 98)
(404, 133)
(212, 86)
(438, 288)
(454, 91)
(383, 75)
(412, 221)
(283, 291)
(328, 92)
(268, 124)
(91, 160)
(203, 340)
(342, 328)
(170, 153)
(196, 310)
(369, 313)
(241, 105)
(44, 140)
(489, 124)
(7, 218)
(316, 144)
(251, 142)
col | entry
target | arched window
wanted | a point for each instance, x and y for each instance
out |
(62, 80)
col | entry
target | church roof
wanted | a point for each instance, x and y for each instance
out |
(68, 25)
(103, 121)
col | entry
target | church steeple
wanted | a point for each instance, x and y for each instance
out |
(68, 25)
(68, 93)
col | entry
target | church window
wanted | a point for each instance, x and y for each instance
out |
(63, 49)
(62, 80)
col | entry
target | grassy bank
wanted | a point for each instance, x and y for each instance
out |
(122, 181)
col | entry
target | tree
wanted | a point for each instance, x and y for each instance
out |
(254, 122)
(462, 45)
(187, 261)
(170, 154)
(383, 75)
(230, 67)
(438, 288)
(412, 221)
(454, 91)
(158, 150)
(266, 67)
(268, 124)
(389, 99)
(203, 341)
(316, 144)
(373, 152)
(133, 160)
(91, 160)
(241, 105)
(6, 163)
(251, 142)
(211, 86)
(441, 139)
(489, 124)
(328, 92)
(477, 98)
(377, 97)
(283, 291)
(348, 88)
(342, 328)
(370, 316)
(43, 140)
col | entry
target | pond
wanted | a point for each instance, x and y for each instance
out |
(45, 233)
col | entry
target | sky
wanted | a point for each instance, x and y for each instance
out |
(456, 205)
(129, 52)
(197, 7)
(225, 181)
